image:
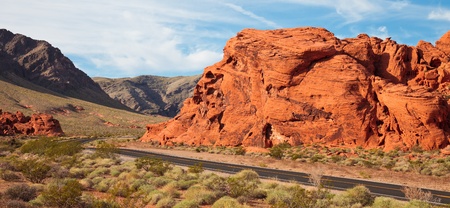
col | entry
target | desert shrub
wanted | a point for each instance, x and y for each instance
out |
(57, 171)
(384, 202)
(104, 185)
(21, 192)
(50, 147)
(160, 181)
(216, 183)
(105, 150)
(98, 172)
(187, 204)
(240, 150)
(197, 168)
(16, 204)
(34, 170)
(86, 183)
(356, 195)
(146, 188)
(63, 193)
(136, 184)
(171, 190)
(297, 196)
(175, 173)
(415, 193)
(154, 165)
(226, 202)
(79, 173)
(201, 194)
(121, 188)
(166, 202)
(243, 183)
(8, 175)
(185, 184)
(418, 204)
(277, 151)
(154, 197)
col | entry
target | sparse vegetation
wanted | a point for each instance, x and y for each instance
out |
(150, 181)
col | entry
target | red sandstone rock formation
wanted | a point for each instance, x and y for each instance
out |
(37, 124)
(304, 85)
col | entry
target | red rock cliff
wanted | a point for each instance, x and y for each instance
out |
(304, 85)
(37, 124)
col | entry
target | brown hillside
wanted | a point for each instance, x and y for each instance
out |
(150, 94)
(40, 63)
(304, 85)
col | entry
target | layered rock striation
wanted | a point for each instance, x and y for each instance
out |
(37, 124)
(306, 86)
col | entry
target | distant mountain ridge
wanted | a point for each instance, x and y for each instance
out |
(24, 60)
(150, 94)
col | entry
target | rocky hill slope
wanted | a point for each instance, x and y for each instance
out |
(306, 86)
(42, 64)
(150, 94)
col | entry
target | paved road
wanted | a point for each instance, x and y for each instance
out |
(338, 183)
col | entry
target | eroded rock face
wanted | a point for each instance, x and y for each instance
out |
(305, 86)
(37, 124)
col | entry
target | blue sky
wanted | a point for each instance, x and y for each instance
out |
(180, 37)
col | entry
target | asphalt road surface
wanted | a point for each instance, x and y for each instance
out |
(337, 183)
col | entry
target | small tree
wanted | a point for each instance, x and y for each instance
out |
(63, 193)
(154, 165)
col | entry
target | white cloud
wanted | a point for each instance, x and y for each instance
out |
(128, 37)
(252, 15)
(380, 32)
(439, 14)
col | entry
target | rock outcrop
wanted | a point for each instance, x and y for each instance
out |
(37, 124)
(40, 63)
(306, 86)
(150, 94)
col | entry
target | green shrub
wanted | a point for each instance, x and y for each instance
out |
(187, 204)
(175, 173)
(418, 204)
(243, 183)
(356, 195)
(8, 175)
(197, 168)
(154, 165)
(171, 190)
(201, 194)
(21, 192)
(277, 151)
(105, 150)
(154, 197)
(34, 170)
(216, 183)
(159, 181)
(384, 202)
(185, 184)
(50, 147)
(98, 172)
(227, 202)
(63, 193)
(166, 202)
